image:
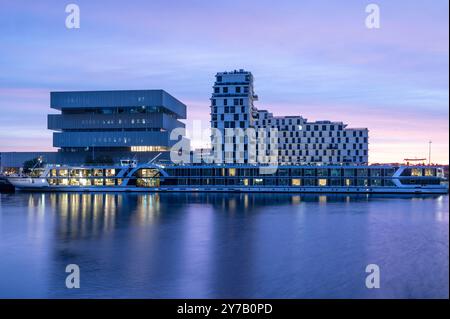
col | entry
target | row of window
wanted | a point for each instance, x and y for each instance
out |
(115, 110)
(94, 172)
(227, 89)
(318, 145)
(300, 152)
(84, 181)
(307, 182)
(305, 172)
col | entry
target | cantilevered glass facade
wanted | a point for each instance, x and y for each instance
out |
(132, 120)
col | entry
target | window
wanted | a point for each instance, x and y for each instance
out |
(362, 172)
(375, 182)
(335, 172)
(335, 182)
(309, 182)
(322, 172)
(349, 172)
(348, 182)
(322, 182)
(225, 89)
(257, 181)
(375, 172)
(296, 182)
(362, 182)
(416, 172)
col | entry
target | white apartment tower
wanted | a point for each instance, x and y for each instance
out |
(232, 108)
(297, 140)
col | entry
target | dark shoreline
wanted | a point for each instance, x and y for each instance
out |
(5, 186)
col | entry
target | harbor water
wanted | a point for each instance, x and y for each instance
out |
(198, 245)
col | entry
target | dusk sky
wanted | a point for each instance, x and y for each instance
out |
(311, 58)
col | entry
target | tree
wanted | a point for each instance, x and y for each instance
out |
(37, 162)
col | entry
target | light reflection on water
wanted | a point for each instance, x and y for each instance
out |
(223, 246)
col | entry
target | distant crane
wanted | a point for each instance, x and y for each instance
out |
(429, 152)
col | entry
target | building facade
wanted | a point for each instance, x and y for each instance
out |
(108, 124)
(290, 139)
(232, 108)
(320, 142)
(115, 121)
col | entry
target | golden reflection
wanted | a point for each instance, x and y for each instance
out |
(36, 216)
(232, 205)
(148, 208)
(296, 199)
(109, 212)
(81, 214)
(322, 199)
(246, 202)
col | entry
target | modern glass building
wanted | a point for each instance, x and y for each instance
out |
(115, 121)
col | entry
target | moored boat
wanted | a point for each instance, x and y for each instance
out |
(149, 177)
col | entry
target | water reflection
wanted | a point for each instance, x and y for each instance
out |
(226, 245)
(79, 214)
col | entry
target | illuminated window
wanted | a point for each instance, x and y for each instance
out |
(258, 181)
(322, 182)
(429, 172)
(110, 172)
(416, 172)
(74, 182)
(98, 172)
(85, 182)
(149, 148)
(232, 172)
(348, 182)
(296, 182)
(63, 172)
(245, 181)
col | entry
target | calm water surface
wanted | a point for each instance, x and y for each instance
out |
(223, 246)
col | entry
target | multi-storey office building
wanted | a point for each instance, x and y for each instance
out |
(136, 121)
(115, 124)
(296, 140)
